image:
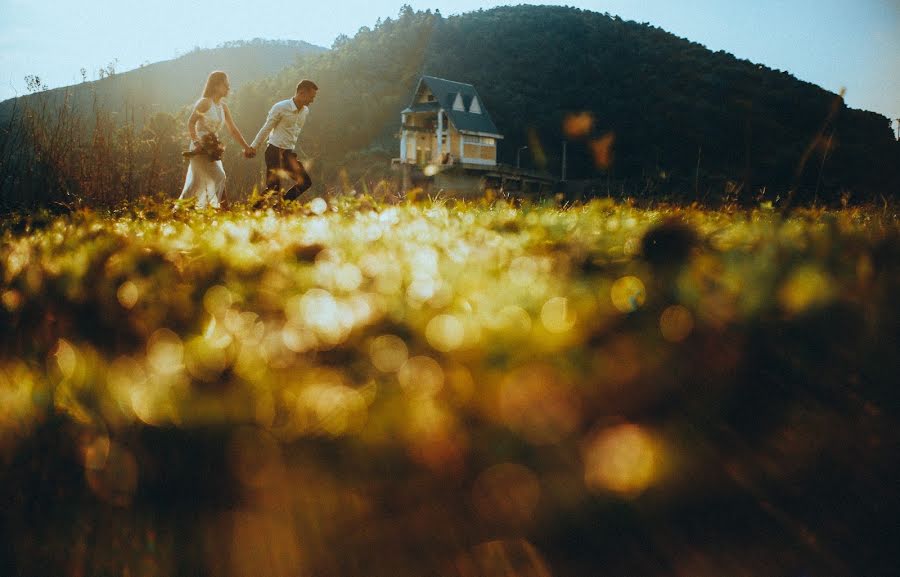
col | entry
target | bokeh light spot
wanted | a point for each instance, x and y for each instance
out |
(116, 481)
(217, 300)
(388, 353)
(628, 294)
(536, 403)
(676, 323)
(806, 288)
(514, 322)
(318, 205)
(66, 358)
(421, 376)
(12, 300)
(203, 361)
(445, 333)
(557, 316)
(507, 493)
(165, 351)
(95, 451)
(623, 459)
(128, 294)
(603, 150)
(578, 125)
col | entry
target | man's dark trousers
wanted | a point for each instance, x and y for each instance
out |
(280, 160)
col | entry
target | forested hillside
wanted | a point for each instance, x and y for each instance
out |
(667, 100)
(670, 109)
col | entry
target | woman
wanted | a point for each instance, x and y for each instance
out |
(205, 180)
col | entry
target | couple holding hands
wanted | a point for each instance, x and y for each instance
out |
(205, 180)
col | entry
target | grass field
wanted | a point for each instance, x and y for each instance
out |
(450, 388)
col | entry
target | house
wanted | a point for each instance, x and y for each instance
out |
(448, 142)
(447, 123)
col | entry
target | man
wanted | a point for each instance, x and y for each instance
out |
(281, 130)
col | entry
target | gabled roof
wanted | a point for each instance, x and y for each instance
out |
(445, 92)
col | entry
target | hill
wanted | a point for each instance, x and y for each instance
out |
(674, 110)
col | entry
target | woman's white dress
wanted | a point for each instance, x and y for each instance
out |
(205, 180)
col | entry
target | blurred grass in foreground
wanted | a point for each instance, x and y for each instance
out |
(449, 388)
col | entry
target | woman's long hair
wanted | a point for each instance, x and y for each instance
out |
(214, 79)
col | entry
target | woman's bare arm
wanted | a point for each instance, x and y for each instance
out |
(200, 108)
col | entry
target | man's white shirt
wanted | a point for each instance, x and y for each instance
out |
(283, 125)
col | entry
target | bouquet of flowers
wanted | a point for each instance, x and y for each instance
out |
(209, 146)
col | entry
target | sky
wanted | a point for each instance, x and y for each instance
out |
(852, 44)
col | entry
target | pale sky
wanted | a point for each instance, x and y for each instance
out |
(832, 43)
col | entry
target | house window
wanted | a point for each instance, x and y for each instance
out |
(479, 140)
(475, 108)
(479, 149)
(458, 103)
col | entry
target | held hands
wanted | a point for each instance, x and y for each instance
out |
(249, 152)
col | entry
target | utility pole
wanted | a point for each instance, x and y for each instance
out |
(697, 173)
(519, 156)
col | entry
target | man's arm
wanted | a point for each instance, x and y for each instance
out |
(270, 124)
